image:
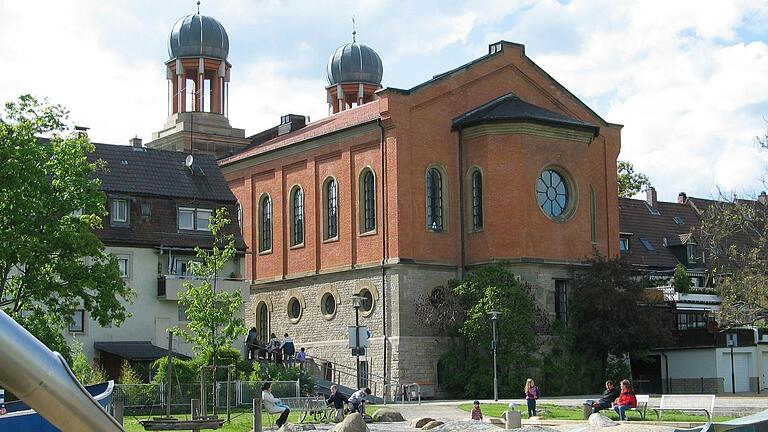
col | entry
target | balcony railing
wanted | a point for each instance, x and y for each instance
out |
(169, 286)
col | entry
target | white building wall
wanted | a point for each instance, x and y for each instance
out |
(690, 364)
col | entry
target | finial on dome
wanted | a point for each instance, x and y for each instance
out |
(354, 32)
(198, 7)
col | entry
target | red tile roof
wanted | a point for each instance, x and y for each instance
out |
(334, 123)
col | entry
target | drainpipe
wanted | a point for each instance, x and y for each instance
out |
(666, 370)
(383, 250)
(461, 204)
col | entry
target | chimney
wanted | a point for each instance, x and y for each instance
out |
(682, 198)
(290, 123)
(650, 197)
(763, 198)
(136, 142)
(81, 131)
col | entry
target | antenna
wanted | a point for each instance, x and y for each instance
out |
(354, 31)
(198, 7)
(189, 161)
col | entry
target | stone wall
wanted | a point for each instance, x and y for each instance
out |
(711, 385)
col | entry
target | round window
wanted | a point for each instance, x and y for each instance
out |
(329, 304)
(552, 193)
(367, 301)
(294, 309)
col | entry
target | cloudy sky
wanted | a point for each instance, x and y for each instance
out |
(687, 79)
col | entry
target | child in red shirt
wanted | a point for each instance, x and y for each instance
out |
(625, 401)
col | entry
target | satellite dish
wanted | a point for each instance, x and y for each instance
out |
(189, 161)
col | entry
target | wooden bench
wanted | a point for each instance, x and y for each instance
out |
(686, 403)
(307, 405)
(642, 405)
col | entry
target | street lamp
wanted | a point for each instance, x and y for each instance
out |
(357, 303)
(494, 316)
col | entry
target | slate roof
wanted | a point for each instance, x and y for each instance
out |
(636, 218)
(136, 350)
(160, 173)
(337, 122)
(510, 108)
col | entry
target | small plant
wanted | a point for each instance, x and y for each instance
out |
(681, 281)
(85, 372)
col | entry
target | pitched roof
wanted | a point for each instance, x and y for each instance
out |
(146, 171)
(636, 218)
(337, 122)
(510, 108)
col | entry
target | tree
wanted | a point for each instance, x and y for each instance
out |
(735, 234)
(681, 281)
(630, 182)
(611, 314)
(468, 368)
(213, 323)
(51, 261)
(87, 373)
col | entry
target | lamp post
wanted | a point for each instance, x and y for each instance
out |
(357, 302)
(494, 316)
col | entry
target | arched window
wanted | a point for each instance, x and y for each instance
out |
(368, 201)
(434, 200)
(331, 209)
(477, 199)
(263, 320)
(266, 224)
(297, 216)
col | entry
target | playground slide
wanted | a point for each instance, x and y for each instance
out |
(42, 379)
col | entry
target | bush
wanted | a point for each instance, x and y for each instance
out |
(184, 371)
(85, 372)
(273, 372)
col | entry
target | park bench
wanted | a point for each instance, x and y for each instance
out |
(686, 403)
(642, 405)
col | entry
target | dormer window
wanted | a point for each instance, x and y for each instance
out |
(647, 244)
(194, 219)
(678, 220)
(118, 212)
(623, 244)
(692, 252)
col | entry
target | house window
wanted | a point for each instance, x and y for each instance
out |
(183, 313)
(194, 219)
(119, 213)
(647, 244)
(434, 200)
(78, 322)
(624, 244)
(146, 210)
(294, 309)
(266, 224)
(692, 252)
(477, 200)
(367, 304)
(328, 304)
(331, 209)
(368, 203)
(561, 300)
(691, 320)
(678, 220)
(297, 216)
(123, 263)
(593, 214)
(185, 267)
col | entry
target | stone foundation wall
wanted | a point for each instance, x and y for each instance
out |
(693, 385)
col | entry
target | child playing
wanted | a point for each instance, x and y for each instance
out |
(476, 413)
(531, 394)
(301, 357)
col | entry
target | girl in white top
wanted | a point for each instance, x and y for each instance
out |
(274, 405)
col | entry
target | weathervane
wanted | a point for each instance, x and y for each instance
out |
(354, 32)
(198, 7)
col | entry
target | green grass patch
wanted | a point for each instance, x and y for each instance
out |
(557, 412)
(242, 421)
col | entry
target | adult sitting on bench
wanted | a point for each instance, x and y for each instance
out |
(610, 394)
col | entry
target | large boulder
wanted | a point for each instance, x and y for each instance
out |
(387, 415)
(351, 423)
(291, 427)
(431, 425)
(599, 420)
(465, 425)
(421, 421)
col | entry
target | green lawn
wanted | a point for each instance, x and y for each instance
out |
(242, 421)
(575, 413)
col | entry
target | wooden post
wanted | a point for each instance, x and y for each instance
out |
(119, 410)
(195, 405)
(257, 415)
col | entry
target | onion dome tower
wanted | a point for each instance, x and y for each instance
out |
(198, 90)
(354, 74)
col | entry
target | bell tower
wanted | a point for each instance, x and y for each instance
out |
(198, 90)
(354, 74)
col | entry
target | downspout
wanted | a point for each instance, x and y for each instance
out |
(666, 370)
(461, 204)
(383, 252)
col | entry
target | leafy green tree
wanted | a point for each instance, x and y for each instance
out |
(610, 314)
(51, 261)
(736, 234)
(468, 370)
(630, 182)
(213, 324)
(87, 373)
(681, 281)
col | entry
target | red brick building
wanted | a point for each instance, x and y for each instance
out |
(399, 191)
